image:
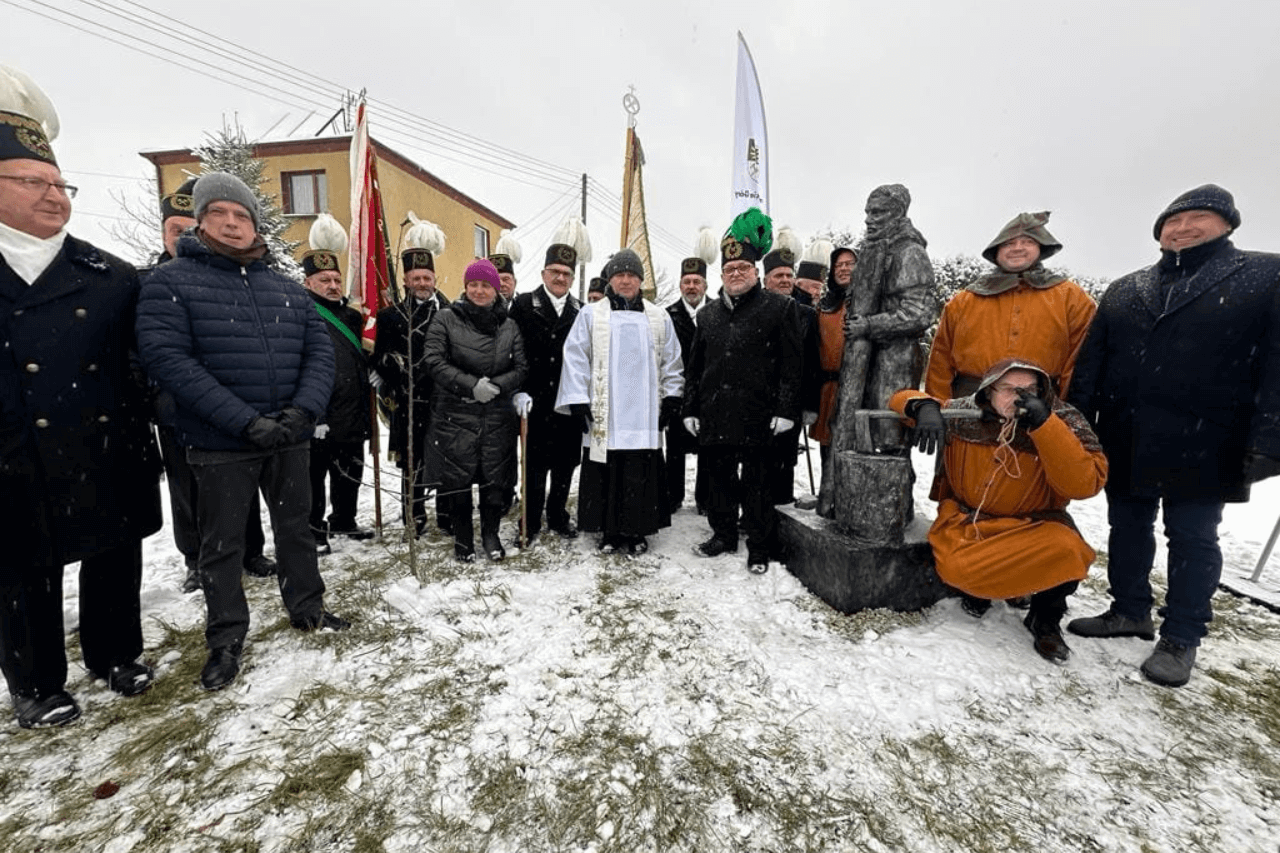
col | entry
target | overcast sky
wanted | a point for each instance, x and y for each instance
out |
(1099, 111)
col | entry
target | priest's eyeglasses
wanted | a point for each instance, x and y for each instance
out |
(40, 186)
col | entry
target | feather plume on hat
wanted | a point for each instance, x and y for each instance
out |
(789, 240)
(573, 232)
(20, 94)
(424, 236)
(509, 246)
(706, 246)
(327, 235)
(819, 251)
(753, 226)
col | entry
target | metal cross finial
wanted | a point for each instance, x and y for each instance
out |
(631, 104)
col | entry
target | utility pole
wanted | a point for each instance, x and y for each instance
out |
(582, 268)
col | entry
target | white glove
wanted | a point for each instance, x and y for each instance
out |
(375, 380)
(692, 425)
(485, 390)
(780, 425)
(321, 430)
(808, 418)
(524, 404)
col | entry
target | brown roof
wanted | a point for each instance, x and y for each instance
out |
(329, 145)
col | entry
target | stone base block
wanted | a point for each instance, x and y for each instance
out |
(852, 575)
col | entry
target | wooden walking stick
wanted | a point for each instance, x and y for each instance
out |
(808, 458)
(524, 481)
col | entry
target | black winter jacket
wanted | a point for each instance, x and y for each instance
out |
(468, 441)
(348, 413)
(231, 343)
(391, 352)
(79, 469)
(1181, 378)
(745, 368)
(555, 439)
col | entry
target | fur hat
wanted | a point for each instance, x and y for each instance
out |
(1207, 197)
(749, 238)
(424, 241)
(28, 121)
(816, 260)
(327, 240)
(787, 252)
(704, 254)
(507, 253)
(570, 246)
(224, 186)
(1025, 225)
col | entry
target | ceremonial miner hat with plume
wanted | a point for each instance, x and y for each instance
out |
(704, 254)
(28, 121)
(749, 238)
(327, 240)
(423, 242)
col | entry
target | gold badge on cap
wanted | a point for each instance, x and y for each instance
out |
(731, 248)
(566, 255)
(690, 267)
(325, 261)
(182, 202)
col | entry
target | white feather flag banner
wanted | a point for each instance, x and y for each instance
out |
(750, 139)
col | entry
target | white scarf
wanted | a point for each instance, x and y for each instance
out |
(693, 309)
(558, 302)
(26, 255)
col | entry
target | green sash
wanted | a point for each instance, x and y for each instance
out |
(339, 325)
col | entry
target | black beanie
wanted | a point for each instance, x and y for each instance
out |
(1208, 197)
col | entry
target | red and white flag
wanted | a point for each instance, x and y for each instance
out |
(368, 270)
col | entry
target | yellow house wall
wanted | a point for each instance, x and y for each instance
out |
(402, 191)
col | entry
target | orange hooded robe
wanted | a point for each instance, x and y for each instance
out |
(1002, 528)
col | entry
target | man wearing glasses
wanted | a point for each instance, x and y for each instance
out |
(545, 316)
(79, 469)
(743, 388)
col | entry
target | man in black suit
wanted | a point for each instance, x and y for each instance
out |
(680, 443)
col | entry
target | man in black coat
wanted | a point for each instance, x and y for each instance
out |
(742, 389)
(680, 442)
(398, 360)
(177, 216)
(337, 452)
(250, 367)
(1180, 376)
(79, 470)
(554, 447)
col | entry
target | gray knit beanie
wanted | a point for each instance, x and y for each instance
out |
(624, 260)
(224, 186)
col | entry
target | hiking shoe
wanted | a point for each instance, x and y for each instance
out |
(260, 566)
(1049, 642)
(130, 679)
(1112, 624)
(714, 547)
(1170, 664)
(974, 606)
(222, 667)
(42, 712)
(325, 619)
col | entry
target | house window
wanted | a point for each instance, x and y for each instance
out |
(305, 193)
(482, 242)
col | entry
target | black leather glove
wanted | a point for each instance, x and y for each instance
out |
(582, 411)
(1259, 466)
(930, 433)
(266, 433)
(1031, 411)
(297, 423)
(669, 413)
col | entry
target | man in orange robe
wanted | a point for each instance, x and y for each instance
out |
(1002, 528)
(1019, 310)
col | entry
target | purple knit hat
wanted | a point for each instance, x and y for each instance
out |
(482, 269)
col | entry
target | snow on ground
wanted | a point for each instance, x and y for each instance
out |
(564, 700)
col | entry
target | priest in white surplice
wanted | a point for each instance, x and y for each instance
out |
(622, 377)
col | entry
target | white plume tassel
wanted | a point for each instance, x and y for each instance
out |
(706, 246)
(573, 232)
(327, 235)
(423, 235)
(20, 94)
(788, 239)
(819, 251)
(509, 246)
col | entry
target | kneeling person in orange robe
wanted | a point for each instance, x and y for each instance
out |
(1002, 528)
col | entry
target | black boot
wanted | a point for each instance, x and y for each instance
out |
(192, 581)
(464, 541)
(222, 667)
(1048, 640)
(490, 518)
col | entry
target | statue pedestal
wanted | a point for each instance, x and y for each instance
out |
(875, 553)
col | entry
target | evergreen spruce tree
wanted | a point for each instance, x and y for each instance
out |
(229, 151)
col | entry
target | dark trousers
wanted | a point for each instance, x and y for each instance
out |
(342, 463)
(782, 466)
(33, 652)
(459, 507)
(1195, 561)
(675, 467)
(1050, 605)
(182, 503)
(537, 496)
(748, 490)
(225, 489)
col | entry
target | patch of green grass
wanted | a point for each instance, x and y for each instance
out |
(323, 777)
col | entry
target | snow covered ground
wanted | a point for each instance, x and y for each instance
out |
(565, 701)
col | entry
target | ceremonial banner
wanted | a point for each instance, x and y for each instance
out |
(750, 139)
(635, 230)
(368, 271)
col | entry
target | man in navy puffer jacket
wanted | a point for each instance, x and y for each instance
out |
(250, 367)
